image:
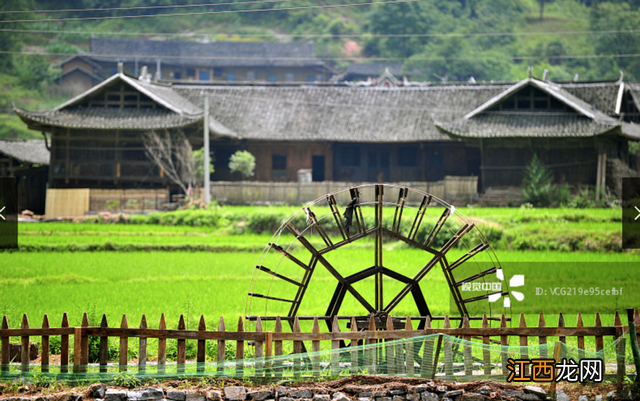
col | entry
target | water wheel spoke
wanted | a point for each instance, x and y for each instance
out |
(415, 226)
(379, 294)
(289, 256)
(313, 221)
(457, 298)
(437, 227)
(397, 216)
(479, 248)
(349, 240)
(485, 296)
(278, 275)
(409, 241)
(256, 295)
(407, 289)
(303, 288)
(456, 237)
(335, 211)
(355, 194)
(476, 276)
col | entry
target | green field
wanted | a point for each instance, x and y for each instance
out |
(153, 269)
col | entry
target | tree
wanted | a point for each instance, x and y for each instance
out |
(242, 162)
(198, 157)
(171, 151)
(536, 183)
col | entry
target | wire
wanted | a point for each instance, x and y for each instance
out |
(340, 36)
(79, 10)
(212, 12)
(163, 57)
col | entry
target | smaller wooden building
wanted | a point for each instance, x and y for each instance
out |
(28, 161)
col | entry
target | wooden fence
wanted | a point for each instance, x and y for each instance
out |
(79, 202)
(270, 343)
(454, 189)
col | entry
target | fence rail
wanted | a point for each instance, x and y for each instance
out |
(401, 360)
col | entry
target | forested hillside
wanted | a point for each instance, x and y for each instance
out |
(437, 40)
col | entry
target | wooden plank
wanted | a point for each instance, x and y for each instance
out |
(24, 354)
(124, 347)
(410, 357)
(335, 350)
(467, 355)
(104, 346)
(315, 348)
(524, 344)
(504, 342)
(561, 338)
(297, 350)
(437, 356)
(486, 350)
(64, 346)
(202, 346)
(142, 348)
(542, 340)
(599, 339)
(388, 349)
(277, 348)
(162, 347)
(84, 343)
(259, 352)
(44, 360)
(371, 351)
(77, 350)
(181, 357)
(221, 350)
(426, 367)
(580, 338)
(5, 352)
(240, 351)
(354, 349)
(448, 352)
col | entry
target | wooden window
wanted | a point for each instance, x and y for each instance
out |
(278, 162)
(217, 72)
(203, 75)
(191, 72)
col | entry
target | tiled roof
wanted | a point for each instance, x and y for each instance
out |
(32, 151)
(601, 95)
(373, 69)
(214, 54)
(527, 124)
(106, 118)
(339, 113)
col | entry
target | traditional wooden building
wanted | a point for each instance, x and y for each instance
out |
(194, 61)
(413, 132)
(28, 161)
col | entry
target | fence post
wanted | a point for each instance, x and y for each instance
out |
(142, 349)
(277, 347)
(182, 347)
(467, 356)
(315, 348)
(542, 340)
(408, 326)
(202, 346)
(104, 346)
(426, 366)
(221, 349)
(372, 352)
(486, 348)
(6, 354)
(297, 349)
(240, 351)
(44, 362)
(599, 339)
(524, 344)
(124, 346)
(335, 349)
(504, 343)
(64, 346)
(557, 351)
(162, 347)
(580, 338)
(448, 351)
(259, 363)
(620, 349)
(24, 354)
(354, 348)
(84, 343)
(388, 348)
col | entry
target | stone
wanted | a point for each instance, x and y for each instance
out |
(194, 396)
(384, 399)
(484, 390)
(397, 392)
(235, 393)
(611, 395)
(176, 395)
(441, 389)
(529, 397)
(598, 398)
(399, 398)
(260, 395)
(472, 397)
(152, 393)
(285, 399)
(300, 393)
(454, 393)
(339, 396)
(364, 399)
(282, 391)
(213, 395)
(539, 391)
(512, 393)
(321, 397)
(98, 390)
(134, 396)
(116, 395)
(562, 396)
(583, 398)
(352, 389)
(366, 392)
(47, 398)
(412, 397)
(421, 387)
(428, 396)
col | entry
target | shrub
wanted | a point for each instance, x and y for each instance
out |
(536, 184)
(242, 162)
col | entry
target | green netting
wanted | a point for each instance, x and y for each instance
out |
(457, 359)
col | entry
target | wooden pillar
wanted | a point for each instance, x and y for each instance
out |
(482, 165)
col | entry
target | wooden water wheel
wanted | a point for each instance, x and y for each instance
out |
(409, 254)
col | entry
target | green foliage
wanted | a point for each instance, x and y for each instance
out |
(41, 380)
(126, 379)
(242, 162)
(562, 195)
(198, 158)
(536, 183)
(34, 71)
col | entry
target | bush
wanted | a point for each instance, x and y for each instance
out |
(242, 162)
(536, 184)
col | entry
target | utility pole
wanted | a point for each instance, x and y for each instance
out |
(207, 184)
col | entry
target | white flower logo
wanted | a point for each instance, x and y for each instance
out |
(516, 281)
